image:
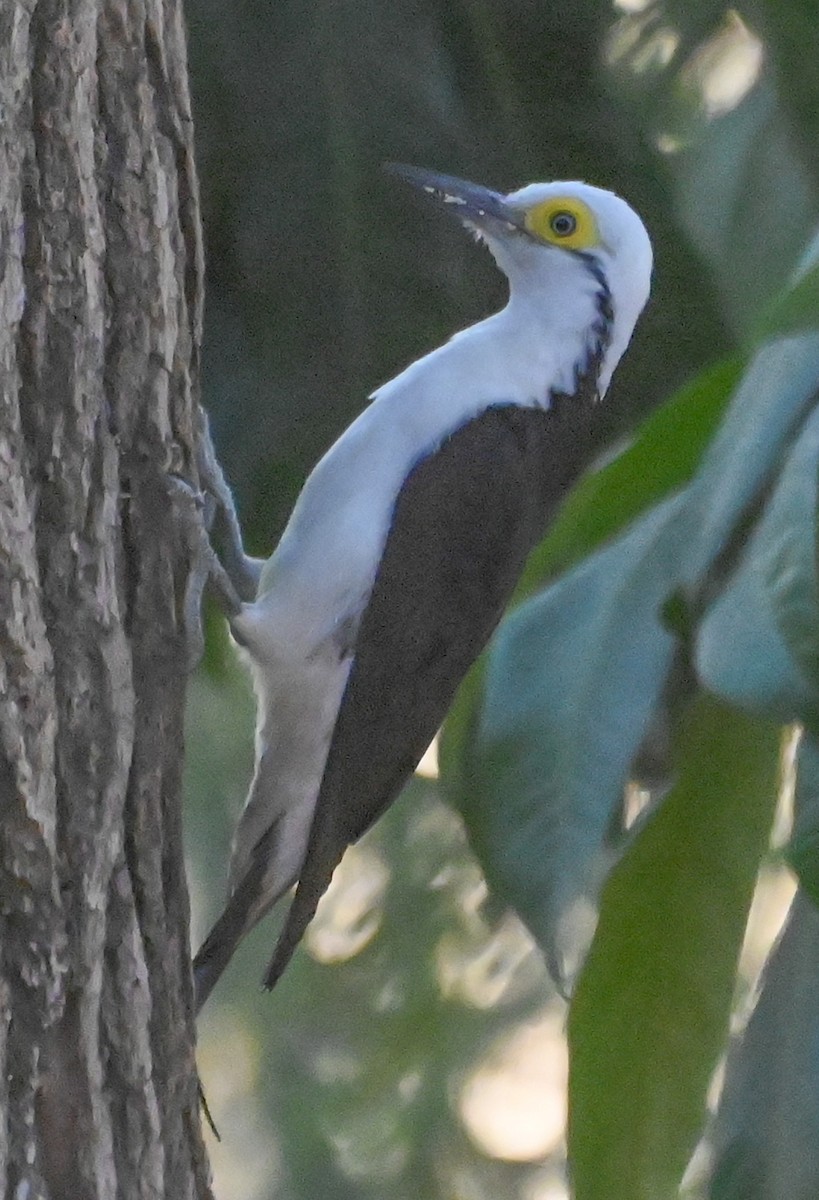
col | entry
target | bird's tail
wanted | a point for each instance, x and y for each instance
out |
(215, 953)
(248, 902)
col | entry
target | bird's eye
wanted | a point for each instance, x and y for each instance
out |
(563, 224)
(565, 221)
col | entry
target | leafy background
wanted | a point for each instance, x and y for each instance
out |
(630, 743)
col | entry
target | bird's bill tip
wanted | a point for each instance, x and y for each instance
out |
(470, 201)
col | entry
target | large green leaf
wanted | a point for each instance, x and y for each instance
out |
(569, 689)
(651, 1008)
(759, 643)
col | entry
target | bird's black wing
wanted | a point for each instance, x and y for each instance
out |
(464, 523)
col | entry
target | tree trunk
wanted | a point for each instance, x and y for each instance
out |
(100, 320)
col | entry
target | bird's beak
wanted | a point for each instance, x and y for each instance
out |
(472, 203)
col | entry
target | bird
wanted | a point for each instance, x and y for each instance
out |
(409, 536)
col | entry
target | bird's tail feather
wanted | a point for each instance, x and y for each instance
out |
(297, 920)
(326, 846)
(247, 904)
(215, 954)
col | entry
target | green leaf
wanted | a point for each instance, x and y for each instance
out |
(766, 410)
(742, 656)
(728, 188)
(569, 690)
(759, 642)
(803, 848)
(651, 1008)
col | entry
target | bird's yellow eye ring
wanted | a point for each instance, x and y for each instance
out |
(564, 221)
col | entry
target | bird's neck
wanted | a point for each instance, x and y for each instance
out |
(570, 342)
(547, 349)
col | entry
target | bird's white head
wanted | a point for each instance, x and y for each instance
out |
(559, 243)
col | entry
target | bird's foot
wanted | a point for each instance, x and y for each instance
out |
(206, 569)
(222, 520)
(207, 516)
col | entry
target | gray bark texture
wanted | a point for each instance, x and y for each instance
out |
(100, 325)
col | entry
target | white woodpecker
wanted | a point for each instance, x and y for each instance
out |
(409, 536)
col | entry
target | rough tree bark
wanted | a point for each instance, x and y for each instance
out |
(100, 324)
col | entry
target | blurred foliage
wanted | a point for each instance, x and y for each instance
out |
(662, 964)
(622, 733)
